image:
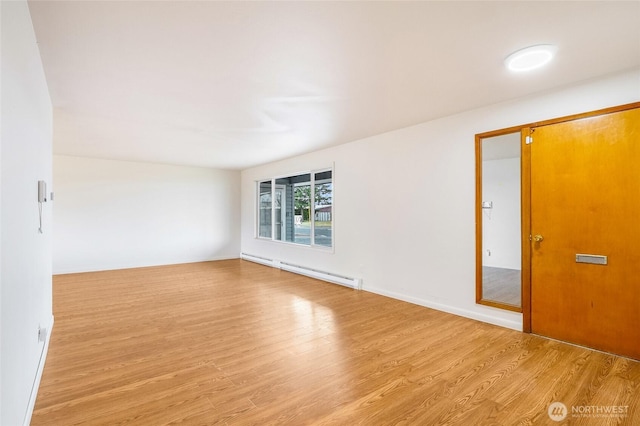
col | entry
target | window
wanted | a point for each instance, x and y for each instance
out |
(323, 206)
(297, 209)
(264, 207)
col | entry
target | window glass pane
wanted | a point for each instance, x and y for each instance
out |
(280, 209)
(288, 211)
(300, 191)
(323, 209)
(264, 209)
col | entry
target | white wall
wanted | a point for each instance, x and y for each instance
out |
(1, 137)
(25, 273)
(120, 214)
(404, 200)
(501, 224)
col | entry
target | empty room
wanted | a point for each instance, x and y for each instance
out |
(320, 212)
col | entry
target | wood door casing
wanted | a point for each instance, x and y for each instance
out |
(585, 198)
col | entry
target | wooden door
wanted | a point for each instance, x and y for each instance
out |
(585, 199)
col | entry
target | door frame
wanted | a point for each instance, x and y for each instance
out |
(525, 178)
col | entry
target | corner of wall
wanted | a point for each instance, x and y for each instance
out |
(25, 274)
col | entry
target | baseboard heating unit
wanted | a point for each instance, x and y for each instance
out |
(355, 283)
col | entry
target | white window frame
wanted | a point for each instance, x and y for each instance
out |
(312, 182)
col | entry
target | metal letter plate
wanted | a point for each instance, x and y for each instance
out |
(591, 258)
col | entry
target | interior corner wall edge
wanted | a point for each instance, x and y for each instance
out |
(25, 271)
(112, 214)
(404, 216)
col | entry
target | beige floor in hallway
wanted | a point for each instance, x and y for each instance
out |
(237, 343)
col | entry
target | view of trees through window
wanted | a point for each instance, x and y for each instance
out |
(301, 207)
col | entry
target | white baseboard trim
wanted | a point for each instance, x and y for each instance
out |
(502, 322)
(36, 382)
(354, 283)
(257, 259)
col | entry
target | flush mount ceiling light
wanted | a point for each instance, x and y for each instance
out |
(530, 58)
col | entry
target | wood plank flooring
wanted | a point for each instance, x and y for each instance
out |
(236, 343)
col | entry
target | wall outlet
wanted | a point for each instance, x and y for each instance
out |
(42, 334)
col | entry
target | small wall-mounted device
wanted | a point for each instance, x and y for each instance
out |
(42, 334)
(42, 198)
(42, 191)
(487, 204)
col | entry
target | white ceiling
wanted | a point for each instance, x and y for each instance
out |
(236, 84)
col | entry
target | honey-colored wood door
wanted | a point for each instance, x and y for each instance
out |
(585, 199)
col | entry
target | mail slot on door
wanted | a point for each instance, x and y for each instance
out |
(591, 258)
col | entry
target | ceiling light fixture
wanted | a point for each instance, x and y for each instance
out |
(530, 58)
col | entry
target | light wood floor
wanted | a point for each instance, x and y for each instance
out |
(237, 343)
